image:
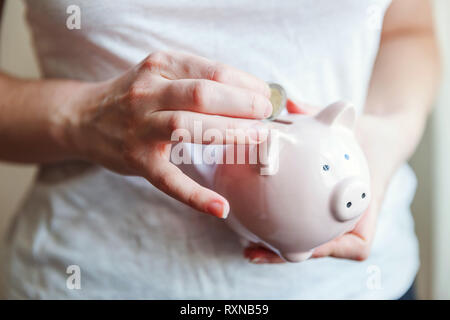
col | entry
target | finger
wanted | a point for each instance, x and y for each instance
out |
(356, 244)
(300, 108)
(179, 65)
(260, 255)
(348, 246)
(211, 97)
(171, 180)
(205, 129)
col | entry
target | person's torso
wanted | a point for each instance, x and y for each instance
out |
(319, 50)
(132, 241)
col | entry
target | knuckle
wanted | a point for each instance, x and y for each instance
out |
(193, 198)
(199, 93)
(135, 93)
(253, 106)
(155, 61)
(163, 181)
(176, 122)
(218, 72)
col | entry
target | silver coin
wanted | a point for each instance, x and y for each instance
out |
(278, 99)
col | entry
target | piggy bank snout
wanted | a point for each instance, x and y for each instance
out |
(350, 199)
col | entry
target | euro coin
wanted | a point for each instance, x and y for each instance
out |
(278, 99)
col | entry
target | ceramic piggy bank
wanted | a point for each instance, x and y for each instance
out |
(312, 187)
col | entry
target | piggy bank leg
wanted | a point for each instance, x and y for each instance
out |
(297, 256)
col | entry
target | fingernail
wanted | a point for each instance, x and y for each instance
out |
(258, 260)
(262, 103)
(218, 208)
(255, 260)
(268, 111)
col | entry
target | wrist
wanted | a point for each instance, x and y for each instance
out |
(379, 139)
(67, 124)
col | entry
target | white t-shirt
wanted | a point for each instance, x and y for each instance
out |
(131, 240)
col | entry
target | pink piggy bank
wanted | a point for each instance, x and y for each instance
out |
(312, 187)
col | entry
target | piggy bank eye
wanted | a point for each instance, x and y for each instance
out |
(326, 167)
(346, 156)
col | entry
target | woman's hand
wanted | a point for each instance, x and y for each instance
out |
(377, 138)
(126, 124)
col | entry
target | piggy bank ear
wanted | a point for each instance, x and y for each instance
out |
(338, 114)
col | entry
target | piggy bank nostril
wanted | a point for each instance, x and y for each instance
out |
(349, 199)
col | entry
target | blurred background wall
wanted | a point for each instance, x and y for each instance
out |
(16, 57)
(431, 162)
(439, 163)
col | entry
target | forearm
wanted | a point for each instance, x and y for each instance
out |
(33, 119)
(402, 88)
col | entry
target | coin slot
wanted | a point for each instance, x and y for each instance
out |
(282, 121)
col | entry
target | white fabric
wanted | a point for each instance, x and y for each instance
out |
(132, 241)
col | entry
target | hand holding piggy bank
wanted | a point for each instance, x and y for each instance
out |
(310, 185)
